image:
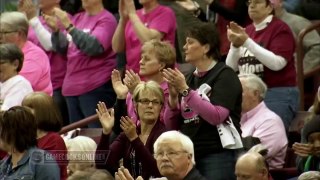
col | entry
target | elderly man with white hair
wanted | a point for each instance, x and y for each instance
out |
(259, 121)
(175, 159)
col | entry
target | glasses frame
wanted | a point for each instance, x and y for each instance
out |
(169, 155)
(147, 102)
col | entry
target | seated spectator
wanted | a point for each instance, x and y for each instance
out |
(259, 121)
(81, 150)
(92, 174)
(156, 56)
(252, 166)
(134, 144)
(259, 49)
(311, 45)
(36, 68)
(49, 123)
(175, 156)
(309, 152)
(13, 87)
(18, 138)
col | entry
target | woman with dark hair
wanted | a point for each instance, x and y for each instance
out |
(266, 48)
(203, 99)
(49, 123)
(13, 87)
(18, 137)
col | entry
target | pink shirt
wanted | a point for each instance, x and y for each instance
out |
(131, 109)
(264, 124)
(161, 19)
(58, 62)
(36, 68)
(13, 90)
(86, 73)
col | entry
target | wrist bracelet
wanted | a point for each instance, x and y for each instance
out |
(69, 27)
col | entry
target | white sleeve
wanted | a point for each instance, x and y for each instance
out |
(43, 35)
(266, 57)
(233, 57)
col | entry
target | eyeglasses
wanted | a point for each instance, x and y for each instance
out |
(170, 154)
(147, 102)
(255, 2)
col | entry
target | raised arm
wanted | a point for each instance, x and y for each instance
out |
(118, 39)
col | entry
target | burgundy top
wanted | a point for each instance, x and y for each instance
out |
(53, 143)
(137, 157)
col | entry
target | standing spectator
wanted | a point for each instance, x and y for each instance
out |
(156, 56)
(153, 21)
(134, 144)
(49, 123)
(201, 100)
(311, 41)
(257, 120)
(18, 138)
(13, 87)
(90, 58)
(40, 34)
(36, 68)
(266, 48)
(227, 11)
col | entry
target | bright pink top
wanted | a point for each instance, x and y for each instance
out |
(53, 143)
(36, 68)
(131, 109)
(161, 19)
(264, 124)
(86, 73)
(58, 62)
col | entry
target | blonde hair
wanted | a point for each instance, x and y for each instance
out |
(163, 51)
(148, 87)
(15, 21)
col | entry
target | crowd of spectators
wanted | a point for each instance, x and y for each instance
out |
(163, 77)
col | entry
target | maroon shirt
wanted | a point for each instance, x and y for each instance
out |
(53, 143)
(278, 38)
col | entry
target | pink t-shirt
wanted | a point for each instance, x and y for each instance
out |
(36, 68)
(86, 73)
(131, 109)
(161, 19)
(58, 62)
(264, 124)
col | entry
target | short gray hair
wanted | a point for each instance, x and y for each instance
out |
(177, 136)
(16, 21)
(253, 82)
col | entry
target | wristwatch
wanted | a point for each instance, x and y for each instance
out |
(185, 92)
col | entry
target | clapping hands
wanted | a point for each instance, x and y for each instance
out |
(236, 34)
(106, 118)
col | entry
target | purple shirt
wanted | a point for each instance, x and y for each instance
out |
(58, 62)
(86, 73)
(36, 68)
(264, 124)
(131, 109)
(161, 19)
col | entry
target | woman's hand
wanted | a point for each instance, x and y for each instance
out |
(131, 80)
(302, 149)
(131, 9)
(175, 79)
(124, 174)
(129, 128)
(63, 17)
(106, 118)
(236, 34)
(27, 7)
(51, 21)
(122, 10)
(120, 89)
